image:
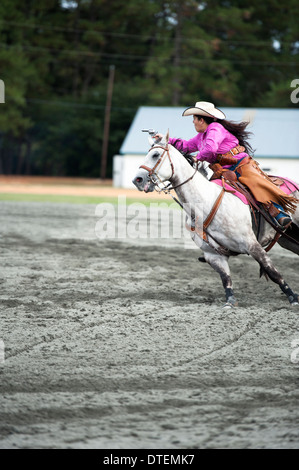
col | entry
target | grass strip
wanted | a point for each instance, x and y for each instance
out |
(57, 198)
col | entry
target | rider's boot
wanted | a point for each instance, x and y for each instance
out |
(277, 212)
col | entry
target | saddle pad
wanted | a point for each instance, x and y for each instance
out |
(287, 187)
(234, 191)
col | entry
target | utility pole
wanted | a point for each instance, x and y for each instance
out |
(107, 121)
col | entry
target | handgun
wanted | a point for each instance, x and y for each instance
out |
(151, 132)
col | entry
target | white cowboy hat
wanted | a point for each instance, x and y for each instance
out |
(204, 108)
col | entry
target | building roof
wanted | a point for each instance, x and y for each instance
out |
(275, 131)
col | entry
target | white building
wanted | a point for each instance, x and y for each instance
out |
(275, 138)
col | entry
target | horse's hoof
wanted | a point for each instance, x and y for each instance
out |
(231, 302)
(293, 299)
(228, 305)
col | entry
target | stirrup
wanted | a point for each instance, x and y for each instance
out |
(284, 221)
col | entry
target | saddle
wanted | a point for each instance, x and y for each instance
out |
(260, 189)
(264, 189)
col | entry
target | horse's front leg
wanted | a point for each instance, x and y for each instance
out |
(220, 264)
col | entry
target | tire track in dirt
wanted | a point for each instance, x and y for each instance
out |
(228, 344)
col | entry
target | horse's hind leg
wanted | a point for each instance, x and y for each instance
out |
(259, 254)
(220, 264)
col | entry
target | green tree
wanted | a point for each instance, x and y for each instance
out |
(55, 58)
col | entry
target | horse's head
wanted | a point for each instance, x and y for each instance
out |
(157, 166)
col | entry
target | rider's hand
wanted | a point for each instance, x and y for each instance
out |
(158, 137)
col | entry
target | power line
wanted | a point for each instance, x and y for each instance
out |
(140, 36)
(132, 57)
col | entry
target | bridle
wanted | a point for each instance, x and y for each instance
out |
(152, 171)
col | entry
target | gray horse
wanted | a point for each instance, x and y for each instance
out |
(230, 230)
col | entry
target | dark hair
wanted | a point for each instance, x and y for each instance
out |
(238, 129)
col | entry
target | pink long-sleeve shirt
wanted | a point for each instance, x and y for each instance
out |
(215, 140)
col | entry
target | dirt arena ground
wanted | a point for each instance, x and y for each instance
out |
(123, 343)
